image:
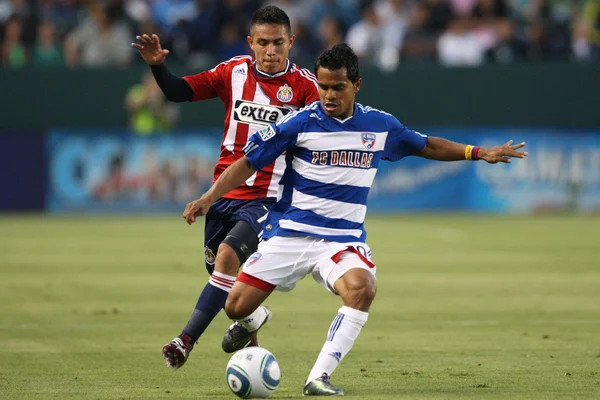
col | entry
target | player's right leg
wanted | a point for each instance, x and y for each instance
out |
(279, 262)
(244, 307)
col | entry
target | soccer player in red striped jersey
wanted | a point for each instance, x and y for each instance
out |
(256, 91)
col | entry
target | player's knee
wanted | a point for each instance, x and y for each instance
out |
(234, 308)
(359, 291)
(227, 260)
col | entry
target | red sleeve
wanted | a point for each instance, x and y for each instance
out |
(311, 92)
(211, 83)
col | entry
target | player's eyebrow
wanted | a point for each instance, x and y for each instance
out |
(337, 86)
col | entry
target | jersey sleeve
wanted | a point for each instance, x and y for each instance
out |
(209, 84)
(401, 141)
(311, 90)
(267, 144)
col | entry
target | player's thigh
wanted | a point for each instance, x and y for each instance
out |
(248, 218)
(215, 231)
(279, 262)
(331, 268)
(239, 244)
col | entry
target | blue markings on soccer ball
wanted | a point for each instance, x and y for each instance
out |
(270, 372)
(238, 381)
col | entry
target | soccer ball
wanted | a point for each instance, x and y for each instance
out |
(253, 372)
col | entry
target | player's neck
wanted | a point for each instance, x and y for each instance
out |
(262, 74)
(345, 118)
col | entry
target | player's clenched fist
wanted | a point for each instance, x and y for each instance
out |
(195, 209)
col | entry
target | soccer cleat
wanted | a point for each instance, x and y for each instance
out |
(238, 337)
(321, 387)
(177, 351)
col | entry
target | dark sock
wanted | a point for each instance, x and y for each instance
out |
(210, 303)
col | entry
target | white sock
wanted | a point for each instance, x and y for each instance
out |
(343, 331)
(222, 281)
(253, 321)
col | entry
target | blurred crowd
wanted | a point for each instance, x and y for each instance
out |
(91, 33)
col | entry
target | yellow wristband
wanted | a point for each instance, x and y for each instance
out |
(468, 152)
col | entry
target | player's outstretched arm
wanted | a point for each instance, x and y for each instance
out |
(445, 150)
(175, 89)
(231, 178)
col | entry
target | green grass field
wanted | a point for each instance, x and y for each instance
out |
(469, 307)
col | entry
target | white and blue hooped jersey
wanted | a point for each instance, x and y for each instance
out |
(330, 167)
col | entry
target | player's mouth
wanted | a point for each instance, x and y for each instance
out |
(330, 107)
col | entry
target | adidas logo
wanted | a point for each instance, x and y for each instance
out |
(247, 321)
(315, 115)
(337, 355)
(240, 71)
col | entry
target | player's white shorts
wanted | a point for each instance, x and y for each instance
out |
(281, 261)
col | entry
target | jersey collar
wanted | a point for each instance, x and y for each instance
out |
(341, 121)
(288, 66)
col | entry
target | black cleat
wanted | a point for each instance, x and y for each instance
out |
(237, 337)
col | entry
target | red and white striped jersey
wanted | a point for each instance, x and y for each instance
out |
(253, 100)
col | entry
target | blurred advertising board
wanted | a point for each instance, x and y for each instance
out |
(562, 172)
(96, 171)
(91, 171)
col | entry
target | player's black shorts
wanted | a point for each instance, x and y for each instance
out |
(237, 223)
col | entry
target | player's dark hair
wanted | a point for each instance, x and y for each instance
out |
(340, 56)
(271, 15)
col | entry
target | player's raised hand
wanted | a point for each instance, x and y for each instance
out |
(502, 153)
(150, 49)
(196, 208)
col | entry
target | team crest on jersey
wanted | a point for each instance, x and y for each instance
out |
(209, 256)
(285, 94)
(253, 258)
(368, 140)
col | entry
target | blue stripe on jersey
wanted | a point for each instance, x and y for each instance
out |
(340, 239)
(311, 218)
(331, 191)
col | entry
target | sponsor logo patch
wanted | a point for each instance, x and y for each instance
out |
(285, 94)
(258, 114)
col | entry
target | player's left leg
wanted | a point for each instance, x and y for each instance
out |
(234, 246)
(354, 280)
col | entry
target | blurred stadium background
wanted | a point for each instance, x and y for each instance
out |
(489, 275)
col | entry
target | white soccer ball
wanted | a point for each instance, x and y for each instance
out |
(253, 372)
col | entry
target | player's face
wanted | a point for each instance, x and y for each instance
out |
(336, 92)
(271, 44)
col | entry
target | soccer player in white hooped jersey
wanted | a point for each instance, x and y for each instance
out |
(333, 148)
(256, 92)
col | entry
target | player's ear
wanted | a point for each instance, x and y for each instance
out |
(357, 85)
(249, 39)
(292, 39)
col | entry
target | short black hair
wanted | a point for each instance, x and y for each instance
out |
(271, 15)
(340, 56)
